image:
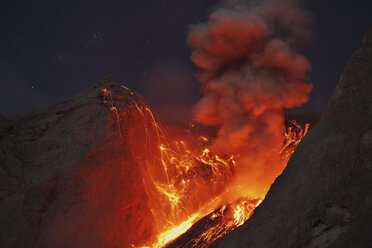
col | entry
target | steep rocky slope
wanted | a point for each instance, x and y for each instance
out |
(67, 178)
(324, 196)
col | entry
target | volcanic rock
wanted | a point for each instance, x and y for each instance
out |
(324, 196)
(67, 178)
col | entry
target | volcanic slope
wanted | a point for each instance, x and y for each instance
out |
(67, 178)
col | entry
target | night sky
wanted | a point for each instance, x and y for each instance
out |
(52, 50)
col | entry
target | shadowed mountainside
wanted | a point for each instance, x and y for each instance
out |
(324, 196)
(67, 177)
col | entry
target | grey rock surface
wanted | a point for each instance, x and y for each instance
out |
(324, 196)
(66, 175)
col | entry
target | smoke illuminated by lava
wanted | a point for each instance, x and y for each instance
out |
(251, 70)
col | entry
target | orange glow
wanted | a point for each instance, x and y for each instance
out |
(186, 181)
(168, 235)
(293, 137)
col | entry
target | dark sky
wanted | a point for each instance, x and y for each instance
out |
(51, 50)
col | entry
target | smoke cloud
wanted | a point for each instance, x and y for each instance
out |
(252, 69)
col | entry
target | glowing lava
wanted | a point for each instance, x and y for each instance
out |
(186, 183)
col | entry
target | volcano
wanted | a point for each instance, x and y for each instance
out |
(99, 171)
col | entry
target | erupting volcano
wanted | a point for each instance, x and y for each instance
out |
(251, 70)
(194, 189)
(101, 171)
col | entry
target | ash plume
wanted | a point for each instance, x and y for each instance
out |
(251, 69)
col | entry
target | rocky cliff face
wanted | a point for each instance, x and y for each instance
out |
(67, 177)
(324, 196)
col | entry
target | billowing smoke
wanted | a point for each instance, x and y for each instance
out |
(251, 70)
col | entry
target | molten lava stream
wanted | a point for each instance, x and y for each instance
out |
(194, 196)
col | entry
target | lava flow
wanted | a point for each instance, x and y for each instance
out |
(186, 183)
